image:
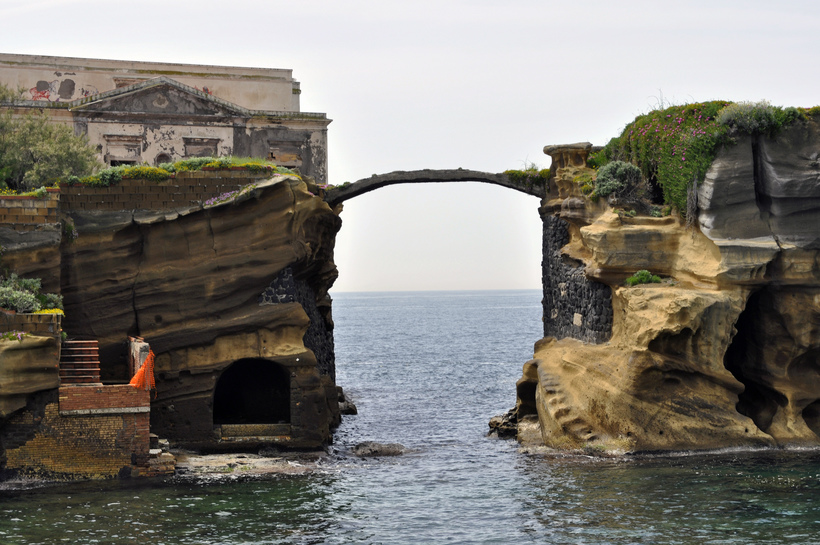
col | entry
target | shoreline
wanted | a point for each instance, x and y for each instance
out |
(245, 466)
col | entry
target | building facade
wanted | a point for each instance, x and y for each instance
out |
(140, 112)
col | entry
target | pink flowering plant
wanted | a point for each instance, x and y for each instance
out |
(13, 336)
(675, 146)
(671, 147)
(229, 196)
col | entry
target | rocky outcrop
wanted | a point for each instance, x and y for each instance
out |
(239, 286)
(724, 352)
(28, 366)
(193, 284)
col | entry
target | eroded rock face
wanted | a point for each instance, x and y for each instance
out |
(29, 366)
(726, 352)
(207, 288)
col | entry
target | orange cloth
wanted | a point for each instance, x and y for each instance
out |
(144, 378)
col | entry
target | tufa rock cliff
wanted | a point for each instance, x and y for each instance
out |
(724, 352)
(239, 286)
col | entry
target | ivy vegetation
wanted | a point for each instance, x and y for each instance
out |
(673, 147)
(531, 176)
(164, 171)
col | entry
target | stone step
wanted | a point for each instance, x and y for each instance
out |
(69, 378)
(81, 343)
(80, 363)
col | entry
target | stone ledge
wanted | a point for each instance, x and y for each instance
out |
(115, 410)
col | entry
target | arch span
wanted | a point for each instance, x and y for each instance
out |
(340, 194)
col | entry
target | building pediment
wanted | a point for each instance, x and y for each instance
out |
(160, 96)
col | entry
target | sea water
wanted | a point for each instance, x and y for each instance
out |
(428, 370)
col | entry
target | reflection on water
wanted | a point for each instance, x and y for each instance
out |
(763, 497)
(428, 371)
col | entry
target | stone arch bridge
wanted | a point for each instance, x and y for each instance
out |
(342, 193)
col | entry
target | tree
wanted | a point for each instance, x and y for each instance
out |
(35, 152)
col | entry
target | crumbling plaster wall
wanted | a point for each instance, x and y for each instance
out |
(62, 79)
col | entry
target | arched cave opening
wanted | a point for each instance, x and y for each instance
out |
(252, 391)
(757, 401)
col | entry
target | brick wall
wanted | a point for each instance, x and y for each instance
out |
(186, 189)
(46, 325)
(101, 399)
(89, 432)
(29, 213)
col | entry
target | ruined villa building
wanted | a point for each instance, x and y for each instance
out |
(148, 112)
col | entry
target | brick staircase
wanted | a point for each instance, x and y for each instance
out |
(80, 363)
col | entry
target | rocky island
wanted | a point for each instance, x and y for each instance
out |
(721, 350)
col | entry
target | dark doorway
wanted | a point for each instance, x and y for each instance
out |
(252, 391)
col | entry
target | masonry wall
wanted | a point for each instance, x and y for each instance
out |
(24, 213)
(45, 325)
(185, 190)
(574, 305)
(79, 432)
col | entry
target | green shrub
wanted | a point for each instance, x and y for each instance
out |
(145, 172)
(50, 300)
(757, 117)
(530, 177)
(643, 277)
(194, 163)
(219, 162)
(617, 178)
(23, 295)
(162, 172)
(20, 301)
(114, 175)
(21, 284)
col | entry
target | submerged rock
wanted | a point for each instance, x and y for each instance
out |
(370, 449)
(504, 425)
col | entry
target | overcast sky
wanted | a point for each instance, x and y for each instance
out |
(446, 84)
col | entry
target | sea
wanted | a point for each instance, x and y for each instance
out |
(428, 370)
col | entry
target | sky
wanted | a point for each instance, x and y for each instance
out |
(483, 85)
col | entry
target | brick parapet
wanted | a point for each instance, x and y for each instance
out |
(46, 325)
(28, 213)
(108, 399)
(186, 189)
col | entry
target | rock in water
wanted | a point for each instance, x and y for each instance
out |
(369, 449)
